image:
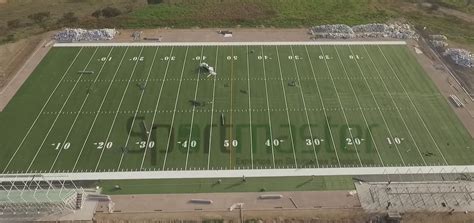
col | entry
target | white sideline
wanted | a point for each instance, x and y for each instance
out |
(189, 174)
(388, 42)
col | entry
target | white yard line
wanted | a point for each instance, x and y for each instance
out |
(80, 110)
(413, 104)
(98, 110)
(395, 104)
(268, 108)
(360, 107)
(138, 107)
(156, 108)
(118, 109)
(194, 109)
(340, 104)
(59, 113)
(305, 108)
(318, 43)
(41, 111)
(212, 113)
(378, 106)
(286, 107)
(174, 110)
(322, 104)
(250, 109)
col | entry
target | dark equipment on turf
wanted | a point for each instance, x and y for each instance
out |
(292, 83)
(243, 91)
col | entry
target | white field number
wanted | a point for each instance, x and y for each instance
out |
(357, 57)
(355, 141)
(263, 57)
(234, 143)
(102, 145)
(103, 59)
(232, 57)
(316, 142)
(59, 145)
(324, 57)
(200, 58)
(169, 58)
(395, 140)
(191, 143)
(143, 144)
(295, 57)
(138, 58)
(275, 142)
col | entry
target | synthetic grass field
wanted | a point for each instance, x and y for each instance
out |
(270, 106)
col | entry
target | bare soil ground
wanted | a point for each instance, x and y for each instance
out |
(14, 70)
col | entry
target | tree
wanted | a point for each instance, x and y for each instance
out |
(39, 17)
(69, 17)
(14, 23)
(108, 12)
(97, 13)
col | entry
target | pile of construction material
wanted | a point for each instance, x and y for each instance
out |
(76, 35)
(374, 30)
(439, 41)
(460, 57)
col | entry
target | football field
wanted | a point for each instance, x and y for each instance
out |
(101, 108)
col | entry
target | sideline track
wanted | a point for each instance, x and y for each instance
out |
(190, 174)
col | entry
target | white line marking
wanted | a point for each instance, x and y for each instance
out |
(250, 109)
(156, 108)
(268, 108)
(194, 109)
(42, 109)
(286, 106)
(175, 106)
(324, 108)
(340, 104)
(413, 104)
(98, 110)
(360, 107)
(305, 108)
(138, 107)
(212, 113)
(378, 106)
(80, 110)
(396, 107)
(59, 114)
(387, 42)
(118, 109)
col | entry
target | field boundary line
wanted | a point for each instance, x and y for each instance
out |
(286, 106)
(212, 111)
(194, 109)
(340, 104)
(60, 110)
(174, 110)
(305, 108)
(250, 108)
(387, 42)
(219, 174)
(42, 109)
(377, 104)
(360, 107)
(80, 110)
(98, 110)
(118, 109)
(323, 106)
(268, 108)
(411, 102)
(138, 107)
(156, 108)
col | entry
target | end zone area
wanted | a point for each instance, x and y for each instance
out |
(102, 108)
